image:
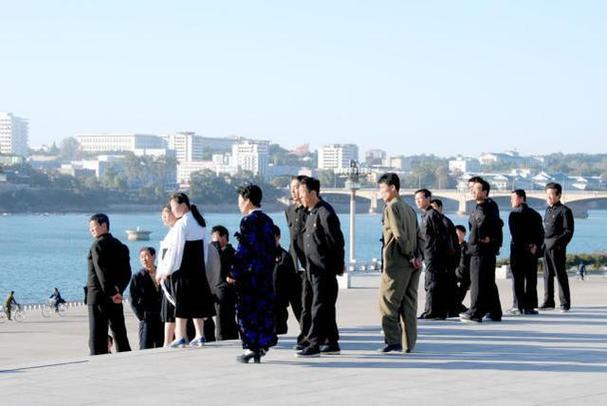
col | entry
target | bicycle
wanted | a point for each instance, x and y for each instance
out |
(17, 314)
(49, 308)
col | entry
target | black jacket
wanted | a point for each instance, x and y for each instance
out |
(525, 228)
(323, 240)
(434, 235)
(284, 276)
(109, 269)
(485, 222)
(146, 297)
(296, 219)
(463, 267)
(227, 256)
(558, 226)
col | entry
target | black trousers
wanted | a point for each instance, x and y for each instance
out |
(102, 317)
(484, 296)
(318, 318)
(523, 265)
(435, 284)
(555, 265)
(151, 332)
(288, 292)
(226, 327)
(461, 288)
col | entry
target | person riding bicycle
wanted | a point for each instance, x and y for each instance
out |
(55, 300)
(9, 303)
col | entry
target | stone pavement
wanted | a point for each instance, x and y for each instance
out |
(552, 358)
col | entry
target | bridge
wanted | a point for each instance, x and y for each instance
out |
(460, 201)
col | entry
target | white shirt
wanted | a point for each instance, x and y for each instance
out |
(185, 229)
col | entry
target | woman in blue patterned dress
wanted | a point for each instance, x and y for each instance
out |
(252, 275)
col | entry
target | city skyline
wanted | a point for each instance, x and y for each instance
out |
(471, 77)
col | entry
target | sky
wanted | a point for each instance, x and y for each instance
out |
(411, 77)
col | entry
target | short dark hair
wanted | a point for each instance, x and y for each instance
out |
(437, 202)
(312, 184)
(426, 192)
(390, 179)
(100, 219)
(475, 179)
(298, 177)
(520, 193)
(222, 231)
(461, 228)
(251, 192)
(150, 250)
(485, 186)
(556, 186)
(275, 231)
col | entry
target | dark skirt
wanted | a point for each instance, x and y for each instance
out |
(193, 298)
(167, 310)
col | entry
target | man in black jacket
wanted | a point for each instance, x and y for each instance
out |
(527, 234)
(483, 245)
(285, 281)
(225, 294)
(109, 272)
(462, 272)
(433, 235)
(146, 300)
(296, 215)
(558, 227)
(324, 250)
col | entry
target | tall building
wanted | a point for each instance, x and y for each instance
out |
(188, 146)
(251, 155)
(13, 135)
(336, 156)
(117, 142)
(375, 157)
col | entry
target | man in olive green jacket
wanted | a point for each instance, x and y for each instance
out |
(401, 269)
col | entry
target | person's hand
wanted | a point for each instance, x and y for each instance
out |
(117, 298)
(416, 263)
(533, 249)
(160, 278)
(230, 280)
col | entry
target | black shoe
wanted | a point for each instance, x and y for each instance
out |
(245, 358)
(391, 348)
(308, 352)
(330, 349)
(489, 317)
(299, 347)
(466, 318)
(564, 309)
(531, 312)
(546, 307)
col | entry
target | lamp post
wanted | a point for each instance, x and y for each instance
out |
(352, 174)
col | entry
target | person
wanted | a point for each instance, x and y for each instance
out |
(225, 294)
(146, 301)
(433, 236)
(252, 275)
(109, 272)
(558, 230)
(56, 299)
(9, 302)
(453, 256)
(401, 269)
(324, 252)
(527, 233)
(296, 215)
(581, 270)
(462, 272)
(185, 261)
(285, 281)
(167, 312)
(484, 243)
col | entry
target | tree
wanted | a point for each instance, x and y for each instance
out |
(69, 149)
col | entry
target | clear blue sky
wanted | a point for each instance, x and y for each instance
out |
(411, 77)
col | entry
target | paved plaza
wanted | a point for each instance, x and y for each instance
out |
(553, 359)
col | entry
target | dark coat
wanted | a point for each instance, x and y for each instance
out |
(109, 269)
(146, 297)
(324, 241)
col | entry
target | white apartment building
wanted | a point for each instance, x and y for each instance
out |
(118, 142)
(13, 135)
(336, 156)
(463, 165)
(187, 145)
(250, 155)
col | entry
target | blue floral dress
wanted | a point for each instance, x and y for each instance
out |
(252, 270)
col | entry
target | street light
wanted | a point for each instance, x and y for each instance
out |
(352, 174)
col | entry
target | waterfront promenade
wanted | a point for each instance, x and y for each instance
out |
(552, 358)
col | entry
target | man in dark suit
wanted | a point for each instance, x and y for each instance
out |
(225, 294)
(324, 250)
(109, 272)
(285, 281)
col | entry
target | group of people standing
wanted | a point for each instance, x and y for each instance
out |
(192, 278)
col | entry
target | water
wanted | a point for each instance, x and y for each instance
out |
(38, 253)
